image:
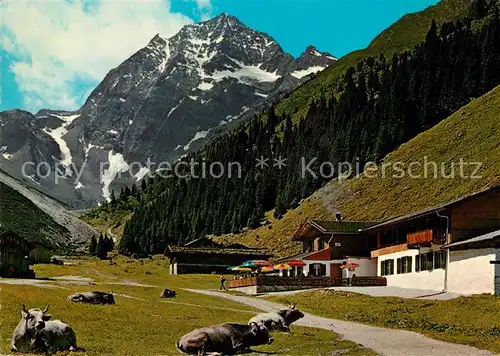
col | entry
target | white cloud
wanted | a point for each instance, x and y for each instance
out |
(63, 49)
(204, 7)
(204, 4)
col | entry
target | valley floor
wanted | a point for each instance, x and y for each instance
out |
(140, 323)
(382, 340)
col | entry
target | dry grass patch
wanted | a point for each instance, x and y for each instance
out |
(140, 323)
(473, 321)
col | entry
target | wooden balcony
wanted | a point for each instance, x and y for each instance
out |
(420, 237)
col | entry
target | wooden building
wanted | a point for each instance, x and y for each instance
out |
(14, 255)
(429, 249)
(40, 254)
(206, 256)
(327, 245)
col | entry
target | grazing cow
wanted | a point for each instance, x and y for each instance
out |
(279, 320)
(167, 293)
(55, 336)
(35, 331)
(93, 298)
(227, 339)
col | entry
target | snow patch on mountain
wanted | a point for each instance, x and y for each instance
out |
(141, 173)
(302, 73)
(247, 73)
(197, 136)
(205, 86)
(58, 133)
(116, 165)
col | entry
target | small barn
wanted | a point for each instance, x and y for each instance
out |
(205, 256)
(40, 254)
(14, 255)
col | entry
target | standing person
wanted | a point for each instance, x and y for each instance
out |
(222, 282)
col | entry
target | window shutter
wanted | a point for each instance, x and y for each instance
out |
(398, 261)
(382, 268)
(410, 260)
(417, 263)
(391, 264)
(323, 270)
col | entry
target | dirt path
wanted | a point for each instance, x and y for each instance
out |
(383, 341)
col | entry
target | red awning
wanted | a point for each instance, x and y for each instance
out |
(350, 265)
(295, 263)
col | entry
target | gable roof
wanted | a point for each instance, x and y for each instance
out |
(218, 250)
(5, 233)
(431, 210)
(340, 227)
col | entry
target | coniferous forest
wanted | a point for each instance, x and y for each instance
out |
(374, 108)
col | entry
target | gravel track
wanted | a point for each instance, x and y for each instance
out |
(381, 340)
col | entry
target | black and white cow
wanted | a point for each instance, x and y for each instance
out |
(93, 298)
(279, 320)
(35, 332)
(227, 339)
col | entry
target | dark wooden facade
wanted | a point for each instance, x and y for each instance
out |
(14, 256)
(343, 238)
(463, 218)
(204, 256)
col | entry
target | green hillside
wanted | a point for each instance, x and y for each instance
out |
(402, 35)
(19, 214)
(471, 134)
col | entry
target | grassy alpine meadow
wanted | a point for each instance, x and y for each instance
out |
(473, 320)
(140, 323)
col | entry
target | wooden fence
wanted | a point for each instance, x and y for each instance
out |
(306, 282)
(245, 282)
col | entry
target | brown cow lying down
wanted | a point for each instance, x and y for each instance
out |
(279, 320)
(37, 333)
(167, 293)
(227, 339)
(93, 298)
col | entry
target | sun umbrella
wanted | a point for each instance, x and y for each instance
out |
(295, 263)
(267, 269)
(350, 265)
(256, 263)
(241, 269)
(282, 266)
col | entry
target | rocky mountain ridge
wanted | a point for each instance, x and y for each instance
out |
(166, 99)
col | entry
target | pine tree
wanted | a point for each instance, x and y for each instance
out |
(93, 246)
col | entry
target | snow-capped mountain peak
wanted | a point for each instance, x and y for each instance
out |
(169, 97)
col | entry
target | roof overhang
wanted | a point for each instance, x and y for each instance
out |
(479, 239)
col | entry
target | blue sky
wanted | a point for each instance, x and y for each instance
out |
(53, 54)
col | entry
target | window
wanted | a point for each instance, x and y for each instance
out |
(317, 269)
(440, 259)
(387, 267)
(404, 264)
(425, 262)
(309, 246)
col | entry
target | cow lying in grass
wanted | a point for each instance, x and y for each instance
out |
(93, 298)
(168, 293)
(279, 320)
(227, 339)
(37, 333)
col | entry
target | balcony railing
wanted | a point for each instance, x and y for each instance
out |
(420, 236)
(307, 281)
